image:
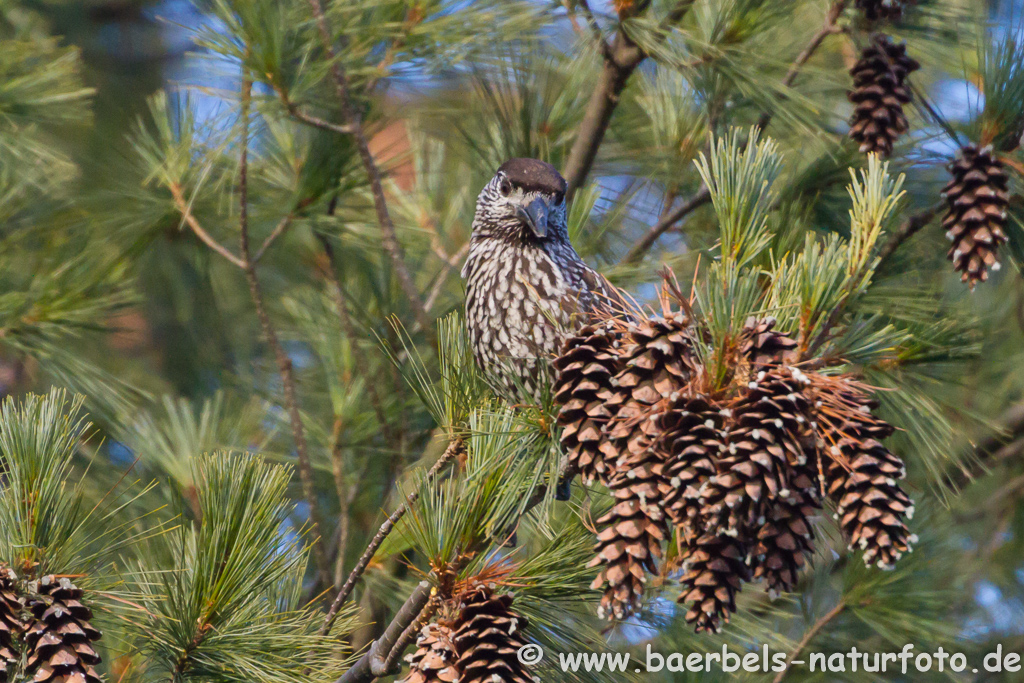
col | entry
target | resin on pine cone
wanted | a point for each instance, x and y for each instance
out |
(11, 625)
(488, 636)
(434, 658)
(60, 636)
(585, 368)
(879, 93)
(861, 476)
(763, 448)
(891, 10)
(714, 570)
(976, 218)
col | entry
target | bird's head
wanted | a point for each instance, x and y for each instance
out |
(525, 200)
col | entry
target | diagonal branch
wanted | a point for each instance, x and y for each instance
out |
(809, 636)
(454, 448)
(185, 209)
(284, 363)
(621, 58)
(641, 248)
(908, 229)
(353, 120)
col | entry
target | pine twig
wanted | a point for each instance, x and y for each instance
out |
(284, 363)
(908, 229)
(454, 449)
(409, 635)
(185, 209)
(703, 195)
(811, 633)
(389, 236)
(1005, 444)
(371, 664)
(279, 230)
(621, 58)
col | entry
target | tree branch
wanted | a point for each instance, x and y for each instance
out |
(811, 632)
(621, 58)
(186, 213)
(279, 230)
(284, 363)
(1004, 444)
(908, 229)
(640, 249)
(371, 664)
(454, 449)
(352, 118)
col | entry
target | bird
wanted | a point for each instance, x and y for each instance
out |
(525, 284)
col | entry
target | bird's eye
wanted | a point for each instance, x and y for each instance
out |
(505, 187)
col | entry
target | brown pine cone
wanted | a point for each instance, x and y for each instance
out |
(488, 636)
(585, 369)
(976, 219)
(891, 10)
(763, 446)
(692, 442)
(434, 658)
(12, 628)
(60, 637)
(714, 570)
(761, 343)
(786, 537)
(879, 93)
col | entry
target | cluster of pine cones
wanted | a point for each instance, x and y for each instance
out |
(733, 473)
(478, 642)
(51, 625)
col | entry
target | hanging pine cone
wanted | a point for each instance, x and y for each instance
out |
(488, 636)
(692, 441)
(60, 637)
(434, 658)
(786, 537)
(11, 626)
(714, 569)
(763, 446)
(891, 10)
(975, 221)
(861, 477)
(585, 369)
(879, 93)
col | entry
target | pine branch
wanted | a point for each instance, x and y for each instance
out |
(279, 230)
(621, 58)
(387, 227)
(372, 663)
(908, 229)
(284, 363)
(454, 449)
(1006, 443)
(811, 633)
(185, 209)
(703, 196)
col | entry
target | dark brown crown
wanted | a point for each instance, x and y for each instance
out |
(533, 175)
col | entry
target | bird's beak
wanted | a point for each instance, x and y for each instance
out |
(536, 216)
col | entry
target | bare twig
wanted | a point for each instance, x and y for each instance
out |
(703, 196)
(454, 448)
(186, 213)
(352, 118)
(1005, 444)
(811, 633)
(284, 363)
(279, 230)
(621, 58)
(391, 664)
(908, 229)
(371, 664)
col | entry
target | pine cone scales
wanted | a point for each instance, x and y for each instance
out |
(488, 636)
(762, 448)
(434, 658)
(714, 571)
(879, 93)
(692, 440)
(762, 344)
(585, 370)
(11, 626)
(976, 219)
(60, 637)
(786, 537)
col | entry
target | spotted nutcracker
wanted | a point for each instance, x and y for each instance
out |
(525, 284)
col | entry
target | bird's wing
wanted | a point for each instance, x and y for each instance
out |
(604, 296)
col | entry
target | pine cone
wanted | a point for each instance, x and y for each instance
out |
(60, 637)
(714, 570)
(879, 93)
(434, 658)
(12, 628)
(488, 636)
(975, 221)
(861, 477)
(692, 441)
(763, 447)
(786, 537)
(762, 344)
(589, 361)
(891, 10)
